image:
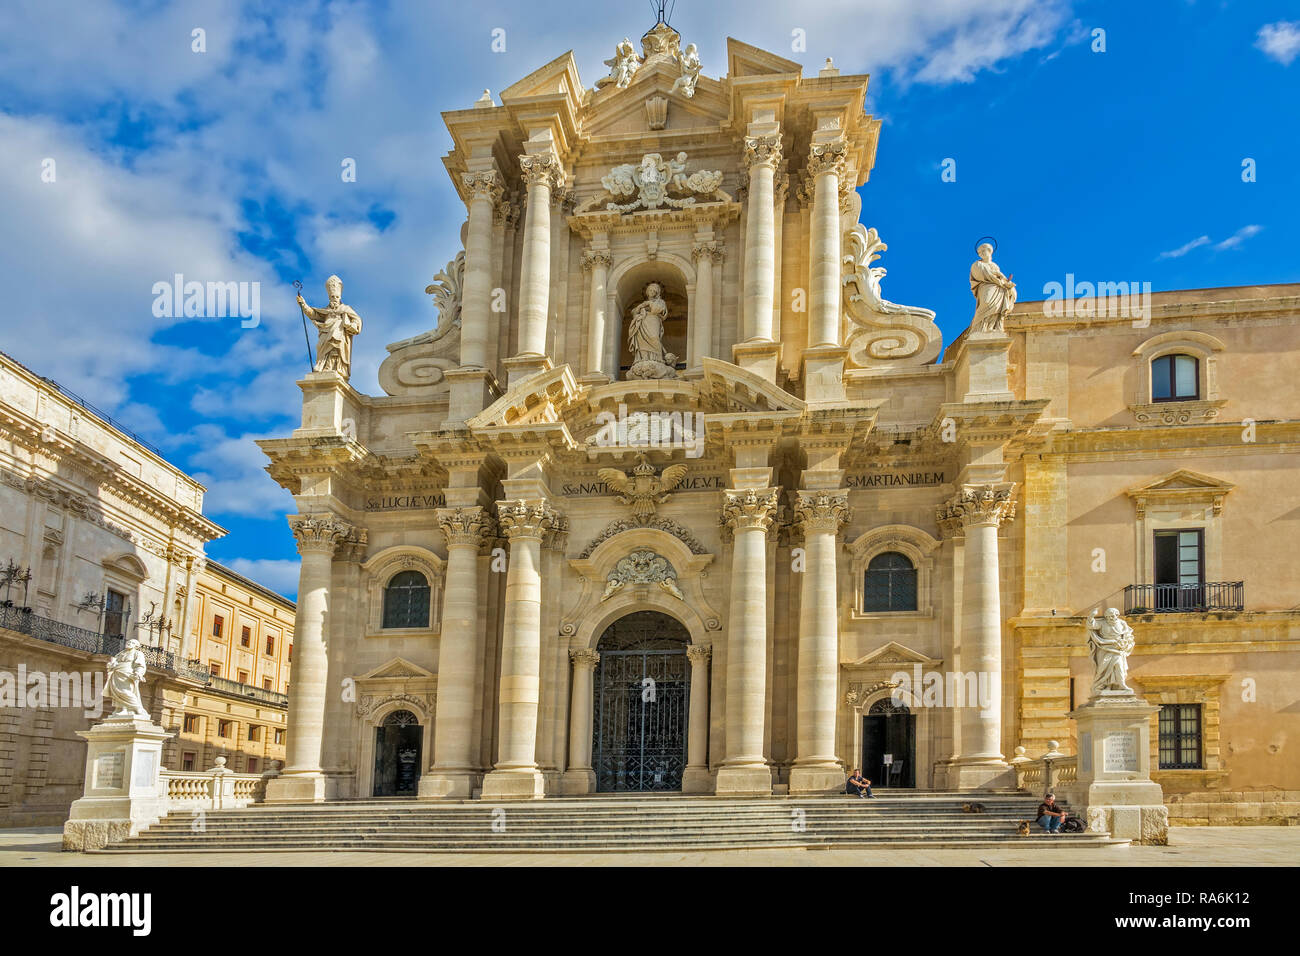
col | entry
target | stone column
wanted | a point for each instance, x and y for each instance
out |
(454, 773)
(748, 514)
(825, 165)
(598, 263)
(484, 190)
(541, 173)
(302, 781)
(976, 512)
(580, 777)
(821, 514)
(762, 156)
(516, 773)
(706, 253)
(696, 777)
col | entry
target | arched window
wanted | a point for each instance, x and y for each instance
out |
(406, 600)
(890, 583)
(1175, 378)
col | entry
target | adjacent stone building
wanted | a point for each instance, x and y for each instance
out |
(672, 498)
(102, 539)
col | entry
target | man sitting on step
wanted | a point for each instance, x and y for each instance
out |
(1050, 816)
(860, 785)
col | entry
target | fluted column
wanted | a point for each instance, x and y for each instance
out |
(598, 264)
(516, 773)
(762, 156)
(541, 173)
(820, 514)
(706, 255)
(318, 535)
(454, 772)
(748, 514)
(484, 191)
(976, 512)
(580, 777)
(696, 777)
(825, 166)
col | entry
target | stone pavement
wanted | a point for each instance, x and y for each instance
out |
(1188, 846)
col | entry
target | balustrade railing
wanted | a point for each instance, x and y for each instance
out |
(1175, 598)
(215, 789)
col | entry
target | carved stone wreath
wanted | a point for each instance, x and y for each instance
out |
(642, 567)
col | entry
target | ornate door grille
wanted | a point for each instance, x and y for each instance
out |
(641, 691)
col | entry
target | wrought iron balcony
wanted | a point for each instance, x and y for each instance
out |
(1176, 598)
(24, 621)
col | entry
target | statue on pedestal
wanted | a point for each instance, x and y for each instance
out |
(1110, 640)
(125, 671)
(995, 294)
(645, 337)
(337, 323)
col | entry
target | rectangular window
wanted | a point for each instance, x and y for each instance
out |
(1180, 736)
(1175, 378)
(270, 646)
(1180, 569)
(279, 736)
(191, 725)
(223, 728)
(245, 636)
(187, 760)
(214, 668)
(218, 625)
(289, 658)
(254, 732)
(253, 765)
(268, 684)
(114, 612)
(243, 677)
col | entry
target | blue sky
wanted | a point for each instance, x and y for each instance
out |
(224, 165)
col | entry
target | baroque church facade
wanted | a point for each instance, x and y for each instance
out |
(673, 499)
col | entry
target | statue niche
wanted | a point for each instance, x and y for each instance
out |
(654, 333)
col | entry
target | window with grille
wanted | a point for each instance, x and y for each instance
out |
(114, 612)
(406, 600)
(1175, 378)
(890, 583)
(1180, 736)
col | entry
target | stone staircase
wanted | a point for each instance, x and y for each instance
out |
(911, 819)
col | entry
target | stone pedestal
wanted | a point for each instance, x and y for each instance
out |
(124, 791)
(823, 373)
(761, 358)
(1114, 791)
(982, 368)
(470, 391)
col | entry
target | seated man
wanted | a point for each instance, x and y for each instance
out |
(860, 785)
(1050, 817)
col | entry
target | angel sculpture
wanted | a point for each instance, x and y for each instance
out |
(690, 64)
(642, 489)
(622, 66)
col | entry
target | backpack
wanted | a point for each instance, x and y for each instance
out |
(1074, 825)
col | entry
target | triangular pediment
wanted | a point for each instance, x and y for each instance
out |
(399, 668)
(614, 112)
(892, 653)
(558, 76)
(746, 60)
(1182, 482)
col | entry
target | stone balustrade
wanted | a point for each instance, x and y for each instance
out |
(1050, 772)
(215, 789)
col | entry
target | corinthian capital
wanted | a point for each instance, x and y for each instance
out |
(584, 657)
(592, 259)
(485, 183)
(828, 157)
(823, 512)
(710, 250)
(763, 151)
(750, 508)
(698, 653)
(527, 519)
(976, 505)
(319, 533)
(465, 525)
(541, 169)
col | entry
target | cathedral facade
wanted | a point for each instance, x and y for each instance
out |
(674, 499)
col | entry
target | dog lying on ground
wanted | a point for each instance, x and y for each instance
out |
(972, 808)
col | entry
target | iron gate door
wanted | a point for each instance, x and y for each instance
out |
(642, 696)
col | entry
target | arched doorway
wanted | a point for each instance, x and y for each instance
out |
(641, 695)
(398, 742)
(889, 745)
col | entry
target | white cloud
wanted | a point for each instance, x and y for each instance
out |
(280, 575)
(1238, 237)
(1280, 41)
(1185, 248)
